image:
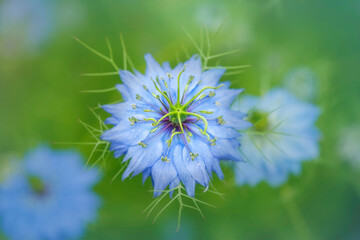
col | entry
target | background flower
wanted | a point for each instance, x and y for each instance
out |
(303, 83)
(50, 198)
(348, 145)
(25, 25)
(283, 135)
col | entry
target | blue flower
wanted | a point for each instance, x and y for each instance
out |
(175, 125)
(302, 82)
(348, 144)
(49, 198)
(282, 136)
(25, 25)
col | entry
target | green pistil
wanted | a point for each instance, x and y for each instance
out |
(134, 106)
(198, 94)
(259, 120)
(178, 85)
(154, 129)
(163, 93)
(36, 184)
(191, 78)
(202, 96)
(177, 111)
(174, 132)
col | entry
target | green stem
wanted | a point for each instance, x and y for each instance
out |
(166, 115)
(204, 120)
(163, 94)
(194, 97)
(178, 92)
(297, 218)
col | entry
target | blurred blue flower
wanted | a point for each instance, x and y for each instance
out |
(349, 139)
(24, 24)
(283, 134)
(175, 124)
(49, 198)
(302, 82)
(211, 14)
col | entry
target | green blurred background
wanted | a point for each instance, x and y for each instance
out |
(40, 98)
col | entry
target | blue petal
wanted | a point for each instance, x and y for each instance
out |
(125, 93)
(226, 149)
(166, 66)
(153, 68)
(126, 134)
(143, 158)
(174, 183)
(212, 76)
(116, 110)
(234, 119)
(163, 173)
(220, 131)
(146, 174)
(225, 97)
(178, 158)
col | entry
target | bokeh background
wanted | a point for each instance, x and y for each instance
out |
(313, 41)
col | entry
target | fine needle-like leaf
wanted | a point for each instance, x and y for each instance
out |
(108, 59)
(99, 90)
(100, 74)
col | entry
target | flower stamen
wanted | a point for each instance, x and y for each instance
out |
(194, 97)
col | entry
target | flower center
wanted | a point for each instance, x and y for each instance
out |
(37, 185)
(259, 120)
(177, 114)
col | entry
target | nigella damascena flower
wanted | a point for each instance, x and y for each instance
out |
(302, 82)
(348, 145)
(25, 25)
(282, 136)
(175, 125)
(49, 197)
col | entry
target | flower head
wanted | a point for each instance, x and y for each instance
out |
(349, 139)
(302, 82)
(49, 198)
(283, 134)
(175, 125)
(25, 25)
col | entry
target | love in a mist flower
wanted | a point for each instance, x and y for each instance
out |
(348, 145)
(303, 83)
(175, 125)
(282, 136)
(25, 25)
(49, 197)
